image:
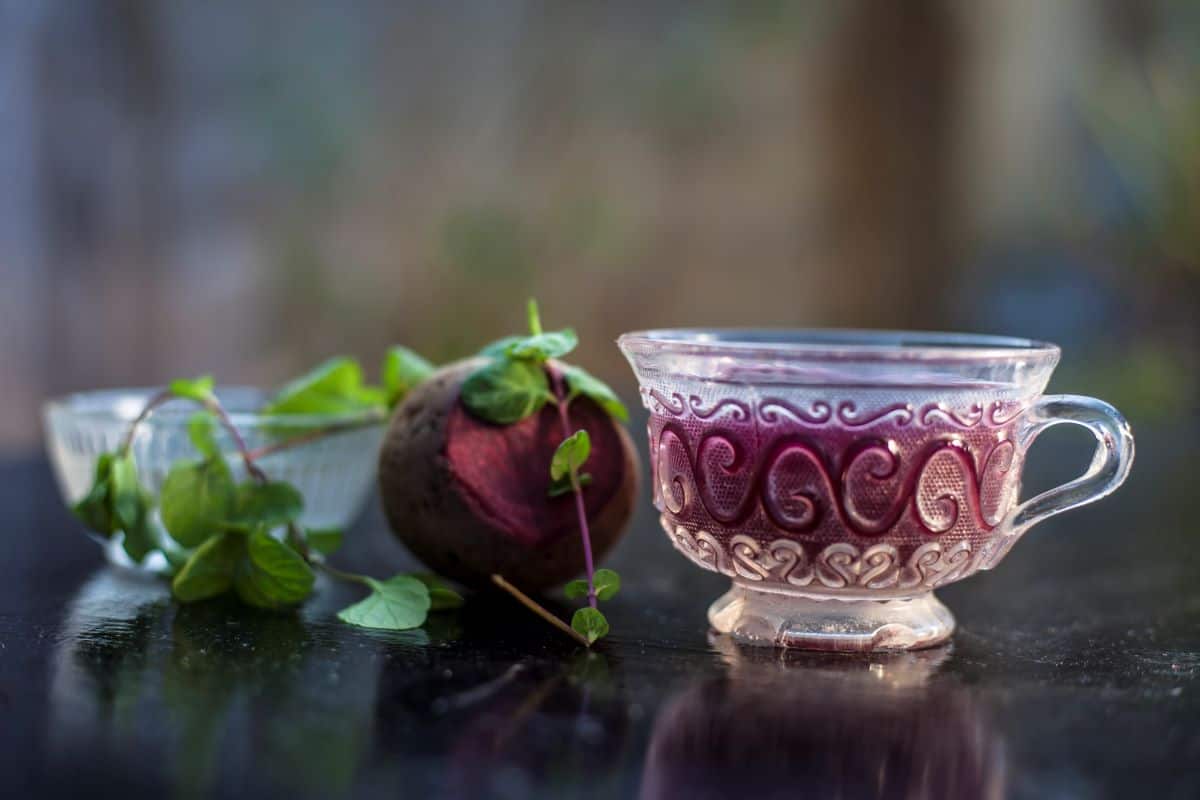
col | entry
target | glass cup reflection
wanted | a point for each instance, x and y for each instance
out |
(824, 726)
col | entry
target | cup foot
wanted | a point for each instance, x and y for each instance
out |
(809, 622)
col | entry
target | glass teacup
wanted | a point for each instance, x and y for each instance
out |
(838, 477)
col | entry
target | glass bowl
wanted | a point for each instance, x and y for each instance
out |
(839, 477)
(330, 459)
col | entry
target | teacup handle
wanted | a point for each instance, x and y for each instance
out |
(1110, 464)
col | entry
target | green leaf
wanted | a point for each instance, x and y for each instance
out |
(201, 430)
(397, 604)
(273, 575)
(334, 387)
(506, 391)
(563, 485)
(94, 510)
(131, 508)
(141, 534)
(265, 504)
(607, 583)
(543, 346)
(115, 502)
(499, 348)
(196, 500)
(198, 389)
(590, 623)
(570, 455)
(125, 491)
(582, 382)
(323, 540)
(441, 596)
(576, 589)
(538, 346)
(210, 570)
(402, 370)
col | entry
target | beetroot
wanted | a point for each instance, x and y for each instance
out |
(469, 497)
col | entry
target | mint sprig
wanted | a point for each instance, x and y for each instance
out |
(521, 376)
(515, 382)
(222, 536)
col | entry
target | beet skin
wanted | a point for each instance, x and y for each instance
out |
(469, 499)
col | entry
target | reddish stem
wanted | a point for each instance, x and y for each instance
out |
(560, 400)
(154, 402)
(312, 436)
(247, 458)
(213, 406)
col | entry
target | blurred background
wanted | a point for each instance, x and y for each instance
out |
(248, 188)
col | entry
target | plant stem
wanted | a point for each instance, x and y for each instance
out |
(156, 400)
(533, 606)
(340, 574)
(296, 540)
(313, 435)
(560, 400)
(213, 405)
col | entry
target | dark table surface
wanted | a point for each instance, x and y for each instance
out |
(1075, 672)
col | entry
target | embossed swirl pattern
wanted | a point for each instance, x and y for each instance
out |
(837, 566)
(869, 466)
(774, 409)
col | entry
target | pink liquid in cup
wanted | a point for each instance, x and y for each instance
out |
(826, 472)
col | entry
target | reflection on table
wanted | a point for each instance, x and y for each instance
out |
(819, 725)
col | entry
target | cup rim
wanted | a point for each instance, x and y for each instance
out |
(838, 344)
(169, 414)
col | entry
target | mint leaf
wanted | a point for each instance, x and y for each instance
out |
(265, 504)
(95, 509)
(273, 574)
(115, 502)
(590, 623)
(538, 346)
(576, 589)
(397, 604)
(441, 596)
(543, 346)
(607, 583)
(141, 536)
(131, 508)
(209, 571)
(333, 387)
(324, 540)
(563, 485)
(402, 370)
(125, 491)
(582, 382)
(196, 500)
(570, 455)
(201, 430)
(506, 391)
(198, 389)
(500, 347)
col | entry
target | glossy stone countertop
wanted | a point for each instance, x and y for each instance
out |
(1075, 672)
